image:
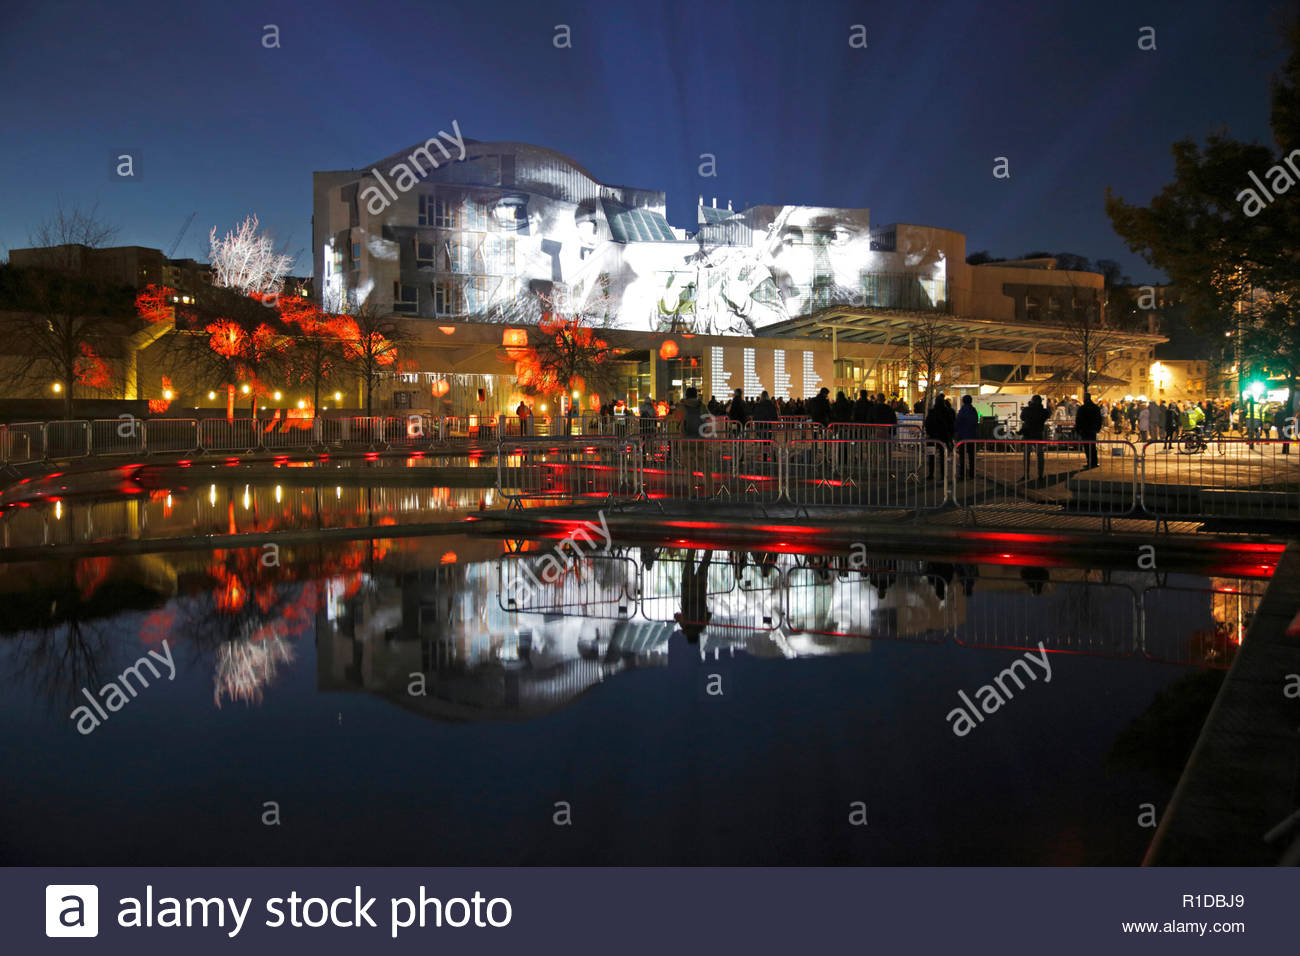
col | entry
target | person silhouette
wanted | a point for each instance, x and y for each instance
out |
(695, 614)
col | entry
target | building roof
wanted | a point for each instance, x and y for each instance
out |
(713, 214)
(891, 327)
(636, 225)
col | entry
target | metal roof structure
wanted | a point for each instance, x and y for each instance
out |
(636, 225)
(873, 326)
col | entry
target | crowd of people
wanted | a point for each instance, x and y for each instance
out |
(1041, 419)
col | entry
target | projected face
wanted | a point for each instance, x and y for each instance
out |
(816, 256)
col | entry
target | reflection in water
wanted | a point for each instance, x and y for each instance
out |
(453, 638)
(223, 506)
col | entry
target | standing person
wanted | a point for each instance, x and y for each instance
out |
(1087, 424)
(968, 422)
(648, 414)
(842, 410)
(1117, 417)
(690, 413)
(1172, 421)
(939, 427)
(819, 408)
(524, 413)
(765, 415)
(1133, 413)
(1144, 421)
(738, 412)
(1157, 420)
(1033, 418)
(1282, 422)
(863, 413)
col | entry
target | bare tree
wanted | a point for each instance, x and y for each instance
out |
(247, 261)
(1092, 330)
(933, 346)
(371, 345)
(67, 317)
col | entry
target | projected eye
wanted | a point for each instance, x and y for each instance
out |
(841, 235)
(792, 236)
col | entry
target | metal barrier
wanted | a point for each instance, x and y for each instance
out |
(68, 439)
(292, 434)
(865, 430)
(742, 469)
(24, 442)
(220, 434)
(171, 435)
(1221, 478)
(874, 474)
(117, 436)
(569, 575)
(545, 468)
(1095, 478)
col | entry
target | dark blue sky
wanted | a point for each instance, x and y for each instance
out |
(908, 127)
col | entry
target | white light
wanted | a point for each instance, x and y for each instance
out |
(338, 396)
(277, 494)
(245, 389)
(276, 396)
(212, 494)
(302, 403)
(58, 510)
(167, 394)
(58, 387)
(211, 395)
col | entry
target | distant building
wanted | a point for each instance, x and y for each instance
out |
(135, 266)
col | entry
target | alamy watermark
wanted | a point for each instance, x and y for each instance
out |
(115, 695)
(992, 698)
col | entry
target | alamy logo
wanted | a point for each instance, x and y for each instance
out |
(554, 564)
(71, 909)
(115, 695)
(992, 698)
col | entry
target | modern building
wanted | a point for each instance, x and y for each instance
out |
(778, 297)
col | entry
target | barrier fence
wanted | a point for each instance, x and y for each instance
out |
(1105, 479)
(792, 461)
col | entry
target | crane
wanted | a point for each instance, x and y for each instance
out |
(180, 235)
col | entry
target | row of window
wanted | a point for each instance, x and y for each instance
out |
(490, 254)
(450, 213)
(453, 298)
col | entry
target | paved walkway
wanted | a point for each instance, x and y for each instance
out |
(1243, 778)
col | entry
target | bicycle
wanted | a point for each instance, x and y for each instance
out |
(1192, 442)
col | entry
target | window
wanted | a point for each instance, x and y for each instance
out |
(404, 299)
(477, 216)
(444, 213)
(423, 253)
(336, 263)
(476, 294)
(510, 252)
(453, 250)
(479, 264)
(356, 256)
(428, 209)
(446, 298)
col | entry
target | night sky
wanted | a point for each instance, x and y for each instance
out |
(908, 127)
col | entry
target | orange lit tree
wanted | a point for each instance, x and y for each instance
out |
(316, 355)
(224, 339)
(563, 355)
(371, 346)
